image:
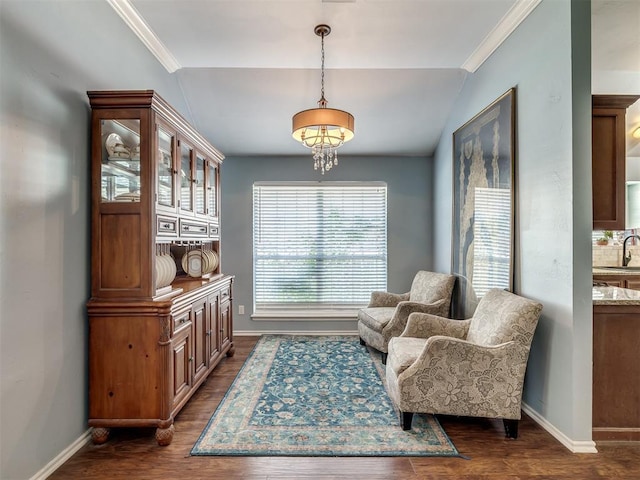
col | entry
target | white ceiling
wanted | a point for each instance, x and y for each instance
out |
(244, 67)
(249, 65)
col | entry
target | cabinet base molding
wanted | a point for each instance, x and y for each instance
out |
(616, 434)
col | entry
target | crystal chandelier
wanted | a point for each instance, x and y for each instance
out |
(323, 129)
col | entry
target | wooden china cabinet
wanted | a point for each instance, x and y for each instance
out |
(160, 312)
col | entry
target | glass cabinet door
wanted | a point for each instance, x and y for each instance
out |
(166, 195)
(120, 172)
(186, 176)
(200, 185)
(212, 189)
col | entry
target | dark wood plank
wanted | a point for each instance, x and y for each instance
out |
(133, 453)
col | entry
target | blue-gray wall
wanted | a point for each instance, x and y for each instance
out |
(44, 204)
(409, 220)
(549, 64)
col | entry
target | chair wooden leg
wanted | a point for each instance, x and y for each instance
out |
(510, 428)
(405, 419)
(362, 342)
(383, 356)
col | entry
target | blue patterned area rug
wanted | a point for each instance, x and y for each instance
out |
(315, 396)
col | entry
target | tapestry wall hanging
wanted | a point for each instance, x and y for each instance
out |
(483, 203)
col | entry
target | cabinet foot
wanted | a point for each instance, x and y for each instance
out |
(232, 351)
(164, 435)
(99, 435)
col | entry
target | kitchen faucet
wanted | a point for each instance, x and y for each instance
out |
(626, 257)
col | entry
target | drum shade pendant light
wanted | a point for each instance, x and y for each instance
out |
(323, 129)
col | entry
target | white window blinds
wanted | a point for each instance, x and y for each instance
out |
(318, 245)
(492, 234)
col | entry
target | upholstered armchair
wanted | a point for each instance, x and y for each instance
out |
(471, 367)
(387, 313)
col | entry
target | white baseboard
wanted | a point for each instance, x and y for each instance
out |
(573, 445)
(63, 456)
(257, 333)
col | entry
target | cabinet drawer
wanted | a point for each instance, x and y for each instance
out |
(190, 228)
(214, 230)
(180, 321)
(166, 226)
(225, 294)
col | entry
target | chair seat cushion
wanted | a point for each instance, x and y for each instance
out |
(403, 352)
(376, 318)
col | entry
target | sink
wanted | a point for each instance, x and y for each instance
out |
(624, 269)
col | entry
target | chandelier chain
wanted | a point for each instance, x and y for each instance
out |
(322, 68)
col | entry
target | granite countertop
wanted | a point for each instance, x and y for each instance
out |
(615, 296)
(635, 271)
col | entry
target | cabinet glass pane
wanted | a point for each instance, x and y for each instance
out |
(212, 190)
(120, 176)
(185, 178)
(200, 186)
(165, 169)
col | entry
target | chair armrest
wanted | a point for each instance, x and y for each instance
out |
(397, 324)
(425, 325)
(386, 299)
(448, 348)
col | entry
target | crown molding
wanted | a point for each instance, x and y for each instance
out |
(136, 23)
(514, 17)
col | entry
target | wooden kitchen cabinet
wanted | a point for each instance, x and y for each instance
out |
(608, 159)
(160, 312)
(616, 373)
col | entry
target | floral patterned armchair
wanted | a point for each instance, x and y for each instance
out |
(471, 367)
(387, 313)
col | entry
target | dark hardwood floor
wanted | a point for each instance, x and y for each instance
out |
(134, 454)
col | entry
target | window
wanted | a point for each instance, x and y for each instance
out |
(320, 246)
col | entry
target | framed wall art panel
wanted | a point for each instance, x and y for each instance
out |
(483, 204)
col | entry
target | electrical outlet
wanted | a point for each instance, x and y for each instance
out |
(241, 309)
